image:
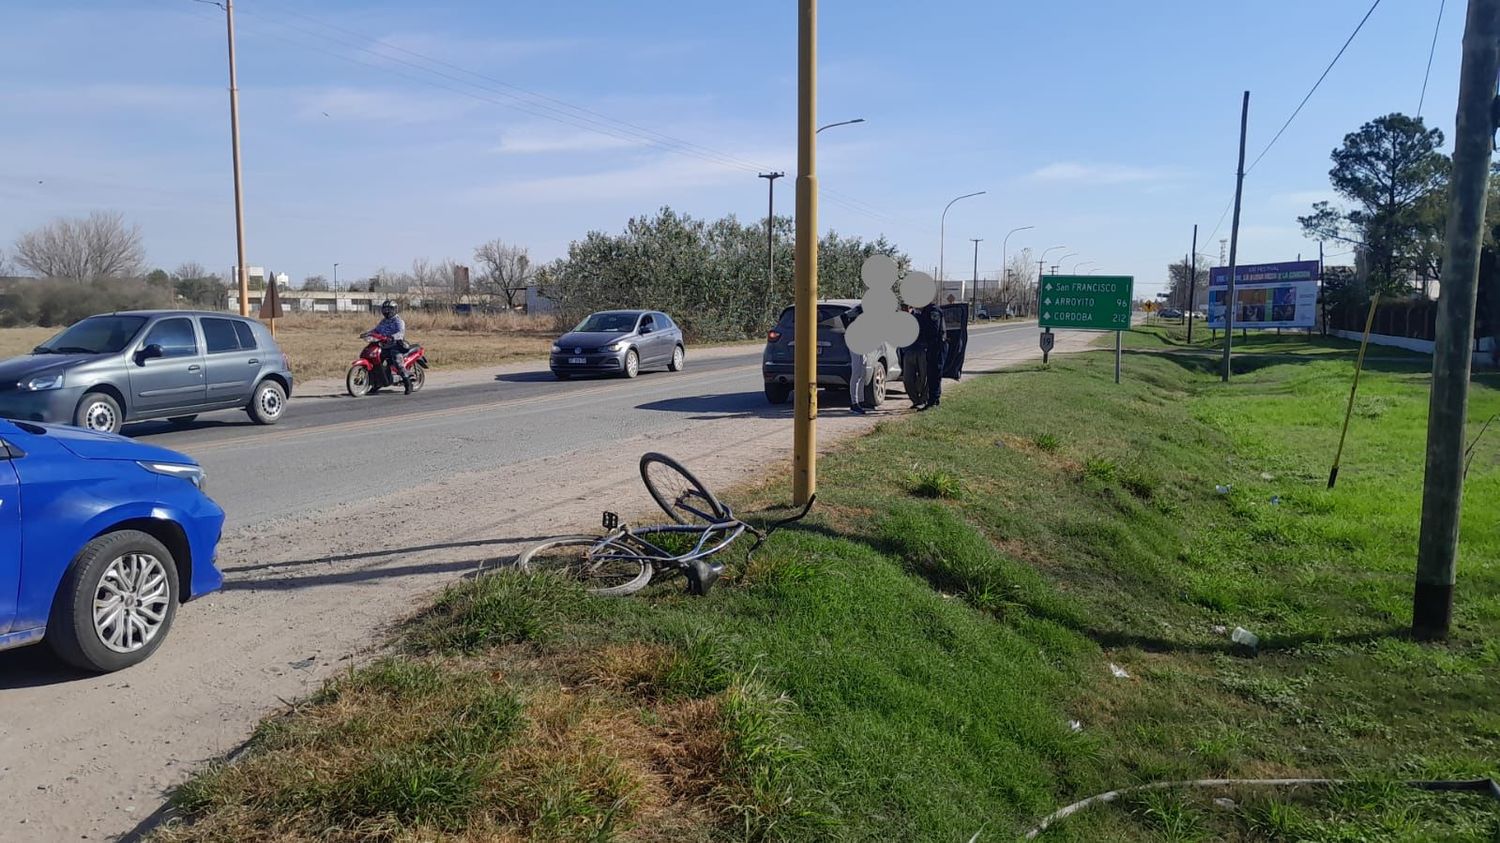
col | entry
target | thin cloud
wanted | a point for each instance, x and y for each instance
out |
(540, 143)
(1072, 171)
(654, 179)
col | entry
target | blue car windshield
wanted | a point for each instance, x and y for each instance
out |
(608, 323)
(94, 335)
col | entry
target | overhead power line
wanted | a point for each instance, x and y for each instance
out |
(536, 104)
(1314, 88)
(1430, 51)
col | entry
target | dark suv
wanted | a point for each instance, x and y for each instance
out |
(107, 370)
(882, 366)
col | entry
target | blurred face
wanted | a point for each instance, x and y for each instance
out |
(388, 312)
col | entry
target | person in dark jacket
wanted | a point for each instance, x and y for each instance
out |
(933, 350)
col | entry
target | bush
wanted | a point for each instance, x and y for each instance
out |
(60, 303)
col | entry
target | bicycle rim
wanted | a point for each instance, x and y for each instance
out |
(681, 496)
(602, 567)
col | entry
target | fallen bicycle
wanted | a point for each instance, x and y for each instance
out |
(626, 559)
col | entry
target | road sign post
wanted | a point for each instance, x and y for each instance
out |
(1048, 340)
(1087, 303)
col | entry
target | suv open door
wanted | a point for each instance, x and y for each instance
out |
(956, 326)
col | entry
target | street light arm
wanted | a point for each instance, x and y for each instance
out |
(842, 123)
(943, 230)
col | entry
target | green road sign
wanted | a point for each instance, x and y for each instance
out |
(1087, 302)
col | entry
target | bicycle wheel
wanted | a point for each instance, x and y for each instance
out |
(605, 568)
(681, 496)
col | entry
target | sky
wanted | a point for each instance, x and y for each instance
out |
(375, 132)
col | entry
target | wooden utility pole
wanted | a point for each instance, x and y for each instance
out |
(805, 354)
(239, 201)
(1230, 303)
(1443, 486)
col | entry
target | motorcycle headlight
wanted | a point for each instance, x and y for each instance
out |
(41, 382)
(191, 473)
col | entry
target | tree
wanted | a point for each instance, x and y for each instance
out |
(711, 277)
(1018, 286)
(503, 270)
(98, 247)
(196, 285)
(1394, 176)
(1178, 292)
(315, 284)
(158, 278)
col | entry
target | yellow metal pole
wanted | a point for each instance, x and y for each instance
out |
(804, 435)
(1359, 363)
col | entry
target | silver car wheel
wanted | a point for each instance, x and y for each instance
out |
(100, 416)
(131, 602)
(632, 363)
(677, 356)
(270, 402)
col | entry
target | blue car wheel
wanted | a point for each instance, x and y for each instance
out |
(116, 604)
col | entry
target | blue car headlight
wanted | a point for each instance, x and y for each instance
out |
(43, 382)
(191, 473)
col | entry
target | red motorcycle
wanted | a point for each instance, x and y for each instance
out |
(370, 373)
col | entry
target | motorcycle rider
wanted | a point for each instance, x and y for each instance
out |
(393, 346)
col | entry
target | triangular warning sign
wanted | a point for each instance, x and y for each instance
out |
(270, 303)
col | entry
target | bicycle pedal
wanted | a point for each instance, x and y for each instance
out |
(701, 576)
(611, 520)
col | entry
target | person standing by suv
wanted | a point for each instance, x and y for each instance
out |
(932, 348)
(393, 328)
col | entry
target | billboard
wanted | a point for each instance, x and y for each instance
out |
(1269, 295)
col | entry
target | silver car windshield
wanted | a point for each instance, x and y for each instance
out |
(94, 335)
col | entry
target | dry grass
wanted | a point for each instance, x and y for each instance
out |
(323, 345)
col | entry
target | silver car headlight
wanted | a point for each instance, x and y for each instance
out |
(43, 382)
(619, 345)
(191, 473)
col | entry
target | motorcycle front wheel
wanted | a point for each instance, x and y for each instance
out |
(357, 382)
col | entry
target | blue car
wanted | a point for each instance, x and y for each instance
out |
(100, 538)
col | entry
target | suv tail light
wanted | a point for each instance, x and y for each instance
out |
(773, 335)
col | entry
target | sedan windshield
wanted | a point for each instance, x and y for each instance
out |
(608, 323)
(94, 335)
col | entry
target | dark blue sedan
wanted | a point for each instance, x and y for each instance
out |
(100, 538)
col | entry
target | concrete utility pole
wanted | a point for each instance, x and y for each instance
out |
(234, 133)
(1192, 284)
(974, 293)
(770, 234)
(1443, 485)
(805, 356)
(1234, 240)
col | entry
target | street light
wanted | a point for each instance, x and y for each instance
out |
(1005, 244)
(1061, 259)
(943, 233)
(335, 279)
(1078, 264)
(841, 123)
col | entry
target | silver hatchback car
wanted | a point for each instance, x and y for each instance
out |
(114, 368)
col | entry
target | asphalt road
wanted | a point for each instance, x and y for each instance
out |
(331, 449)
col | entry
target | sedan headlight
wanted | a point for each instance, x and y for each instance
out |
(556, 349)
(191, 473)
(619, 345)
(41, 382)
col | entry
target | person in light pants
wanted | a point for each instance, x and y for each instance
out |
(856, 383)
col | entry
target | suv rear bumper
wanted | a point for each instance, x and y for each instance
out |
(829, 374)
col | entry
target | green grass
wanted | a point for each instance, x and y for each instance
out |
(905, 664)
